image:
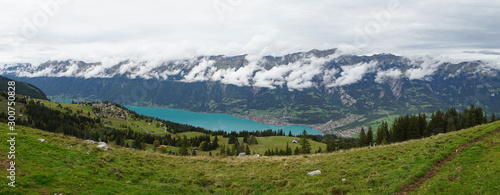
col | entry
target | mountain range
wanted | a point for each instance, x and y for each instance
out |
(325, 89)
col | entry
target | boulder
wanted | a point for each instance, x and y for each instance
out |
(91, 141)
(242, 154)
(314, 172)
(104, 146)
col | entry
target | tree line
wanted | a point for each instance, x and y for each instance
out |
(420, 126)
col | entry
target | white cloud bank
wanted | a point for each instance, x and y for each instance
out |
(383, 76)
(296, 75)
(425, 67)
(300, 73)
(353, 73)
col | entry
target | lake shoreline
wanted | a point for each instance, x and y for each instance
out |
(220, 121)
(262, 121)
(325, 128)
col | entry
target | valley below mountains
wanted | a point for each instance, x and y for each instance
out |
(326, 90)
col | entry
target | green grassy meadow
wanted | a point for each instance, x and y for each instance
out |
(474, 171)
(67, 165)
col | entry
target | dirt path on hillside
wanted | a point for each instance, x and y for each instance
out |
(408, 188)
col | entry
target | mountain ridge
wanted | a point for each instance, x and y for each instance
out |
(23, 88)
(191, 70)
(314, 87)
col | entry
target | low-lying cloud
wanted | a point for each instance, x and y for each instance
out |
(383, 76)
(353, 73)
(423, 68)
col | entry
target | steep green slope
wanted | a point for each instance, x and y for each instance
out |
(476, 170)
(23, 88)
(67, 165)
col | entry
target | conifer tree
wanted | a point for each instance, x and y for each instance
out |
(252, 140)
(422, 124)
(223, 150)
(369, 137)
(119, 140)
(383, 134)
(493, 118)
(215, 143)
(204, 146)
(296, 151)
(183, 150)
(362, 137)
(236, 148)
(305, 146)
(451, 116)
(450, 124)
(138, 143)
(228, 151)
(330, 146)
(156, 143)
(232, 139)
(437, 124)
(378, 139)
(479, 116)
(413, 128)
(288, 150)
(247, 150)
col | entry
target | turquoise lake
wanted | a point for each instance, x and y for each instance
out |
(65, 101)
(212, 121)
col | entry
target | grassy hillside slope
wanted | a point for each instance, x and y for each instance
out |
(476, 170)
(71, 166)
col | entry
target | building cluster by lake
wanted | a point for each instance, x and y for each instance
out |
(105, 109)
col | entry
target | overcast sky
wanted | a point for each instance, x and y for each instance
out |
(94, 30)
